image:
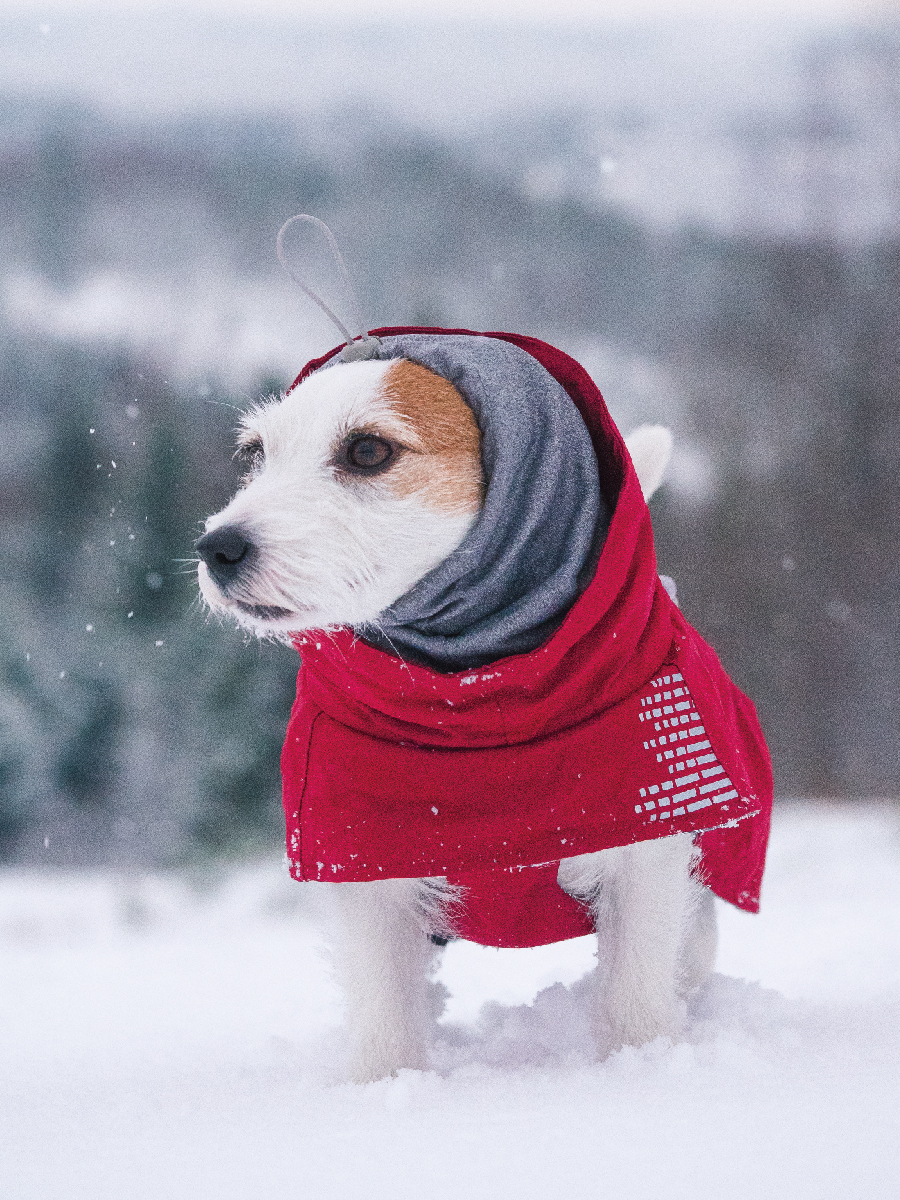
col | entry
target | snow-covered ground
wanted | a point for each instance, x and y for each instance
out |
(177, 1038)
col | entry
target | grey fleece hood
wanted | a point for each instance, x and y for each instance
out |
(534, 547)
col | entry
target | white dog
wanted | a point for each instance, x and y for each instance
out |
(359, 483)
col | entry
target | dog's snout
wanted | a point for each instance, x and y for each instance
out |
(225, 551)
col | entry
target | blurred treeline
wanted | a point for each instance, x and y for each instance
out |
(133, 729)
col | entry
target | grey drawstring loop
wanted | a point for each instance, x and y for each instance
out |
(360, 345)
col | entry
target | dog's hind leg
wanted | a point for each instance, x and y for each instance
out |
(383, 959)
(656, 928)
(651, 907)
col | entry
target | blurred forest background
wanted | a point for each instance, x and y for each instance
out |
(708, 218)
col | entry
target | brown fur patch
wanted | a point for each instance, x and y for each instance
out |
(444, 463)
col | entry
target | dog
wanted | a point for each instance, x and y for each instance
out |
(362, 483)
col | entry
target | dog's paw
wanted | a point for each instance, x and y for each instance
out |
(379, 1051)
(643, 1025)
(370, 1064)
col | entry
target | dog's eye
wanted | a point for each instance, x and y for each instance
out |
(368, 454)
(251, 455)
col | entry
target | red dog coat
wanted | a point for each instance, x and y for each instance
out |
(622, 727)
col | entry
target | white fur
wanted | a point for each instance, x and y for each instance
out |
(335, 552)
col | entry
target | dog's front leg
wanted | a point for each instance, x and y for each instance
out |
(383, 956)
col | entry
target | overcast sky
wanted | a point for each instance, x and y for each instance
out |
(492, 9)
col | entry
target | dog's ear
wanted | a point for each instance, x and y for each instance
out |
(650, 447)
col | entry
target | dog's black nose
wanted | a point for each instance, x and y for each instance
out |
(225, 551)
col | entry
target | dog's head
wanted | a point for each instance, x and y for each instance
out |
(359, 482)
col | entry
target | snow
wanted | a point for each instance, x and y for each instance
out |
(179, 1037)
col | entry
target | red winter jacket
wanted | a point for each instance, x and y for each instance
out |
(622, 727)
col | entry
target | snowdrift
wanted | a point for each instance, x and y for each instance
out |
(179, 1038)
